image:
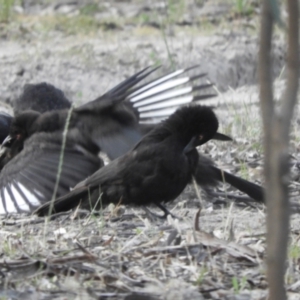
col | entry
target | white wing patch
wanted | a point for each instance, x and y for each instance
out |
(2, 210)
(168, 85)
(10, 207)
(169, 103)
(22, 205)
(160, 113)
(158, 81)
(29, 195)
(164, 96)
(39, 193)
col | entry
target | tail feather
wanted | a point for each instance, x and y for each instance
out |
(251, 189)
(208, 175)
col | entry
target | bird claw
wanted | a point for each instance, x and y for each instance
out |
(164, 209)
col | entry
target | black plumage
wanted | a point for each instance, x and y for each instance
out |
(115, 121)
(41, 97)
(156, 170)
(33, 177)
(112, 123)
(208, 175)
(5, 121)
(138, 105)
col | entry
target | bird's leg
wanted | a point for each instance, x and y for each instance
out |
(164, 209)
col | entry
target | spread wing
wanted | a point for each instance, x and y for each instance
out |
(30, 179)
(140, 107)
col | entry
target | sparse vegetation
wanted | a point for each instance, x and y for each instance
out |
(6, 7)
(294, 252)
(175, 10)
(243, 7)
(90, 9)
(238, 285)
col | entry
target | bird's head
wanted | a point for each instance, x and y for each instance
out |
(21, 127)
(194, 121)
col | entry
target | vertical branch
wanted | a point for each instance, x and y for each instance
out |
(266, 92)
(276, 140)
(290, 95)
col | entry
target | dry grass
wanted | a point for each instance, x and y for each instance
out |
(126, 254)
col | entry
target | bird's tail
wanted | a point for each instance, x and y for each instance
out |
(253, 190)
(207, 174)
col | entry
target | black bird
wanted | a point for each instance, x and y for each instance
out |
(148, 174)
(111, 123)
(41, 97)
(156, 170)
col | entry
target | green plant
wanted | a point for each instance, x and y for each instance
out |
(8, 248)
(138, 231)
(155, 58)
(168, 49)
(90, 9)
(244, 170)
(6, 10)
(243, 7)
(176, 9)
(144, 18)
(294, 252)
(238, 285)
(201, 276)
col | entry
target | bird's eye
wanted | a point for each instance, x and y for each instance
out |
(18, 136)
(200, 137)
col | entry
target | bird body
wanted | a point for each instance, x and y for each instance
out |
(156, 170)
(142, 177)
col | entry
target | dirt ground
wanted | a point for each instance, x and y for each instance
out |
(86, 47)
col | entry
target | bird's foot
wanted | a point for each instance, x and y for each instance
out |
(164, 209)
